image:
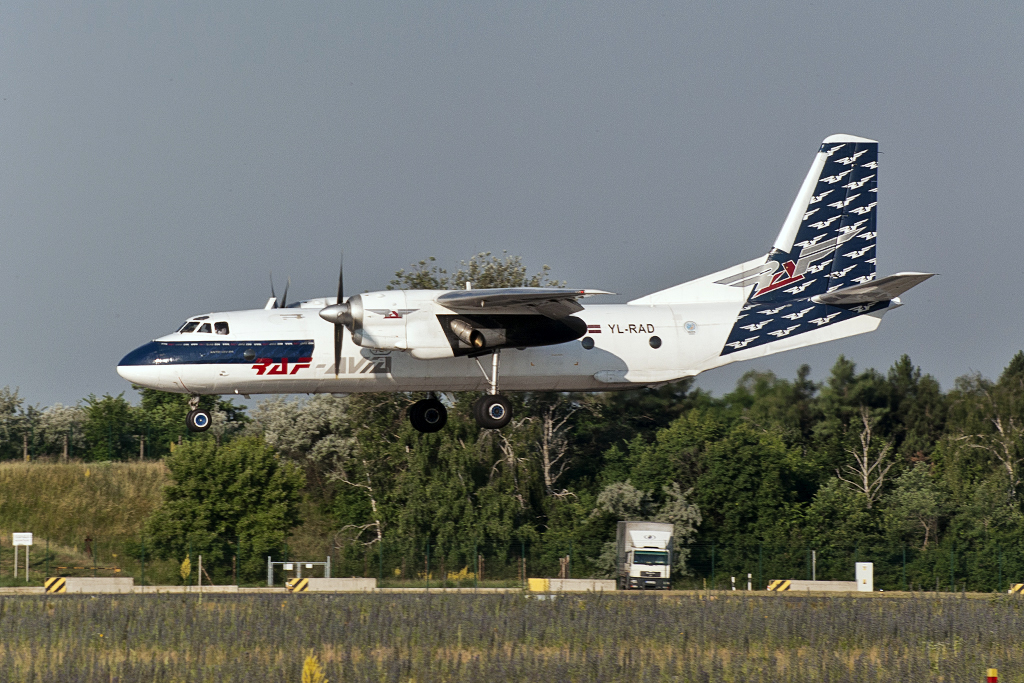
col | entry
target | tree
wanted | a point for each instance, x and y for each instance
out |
(237, 499)
(60, 429)
(989, 416)
(108, 426)
(867, 475)
(12, 423)
(482, 271)
(915, 505)
(622, 502)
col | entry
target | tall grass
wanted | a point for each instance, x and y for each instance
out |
(65, 503)
(427, 638)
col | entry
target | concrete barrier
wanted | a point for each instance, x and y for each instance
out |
(185, 589)
(339, 585)
(570, 585)
(22, 590)
(104, 584)
(814, 586)
(465, 590)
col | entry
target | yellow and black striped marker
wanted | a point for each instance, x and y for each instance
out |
(296, 585)
(779, 585)
(55, 584)
(1017, 588)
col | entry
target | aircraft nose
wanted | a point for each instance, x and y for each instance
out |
(143, 366)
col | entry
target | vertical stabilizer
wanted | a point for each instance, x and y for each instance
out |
(828, 239)
(826, 243)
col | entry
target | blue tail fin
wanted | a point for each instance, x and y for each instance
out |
(828, 239)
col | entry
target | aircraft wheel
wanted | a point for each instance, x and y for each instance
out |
(492, 411)
(198, 420)
(428, 415)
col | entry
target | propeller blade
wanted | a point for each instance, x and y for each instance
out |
(341, 279)
(272, 295)
(338, 333)
(284, 297)
(337, 348)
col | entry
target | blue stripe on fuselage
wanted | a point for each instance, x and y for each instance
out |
(217, 352)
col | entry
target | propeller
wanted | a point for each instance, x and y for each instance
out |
(340, 314)
(284, 297)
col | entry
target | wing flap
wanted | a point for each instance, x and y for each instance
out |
(550, 302)
(886, 289)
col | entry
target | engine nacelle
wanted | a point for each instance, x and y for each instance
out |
(379, 320)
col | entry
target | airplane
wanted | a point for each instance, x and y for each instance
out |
(544, 338)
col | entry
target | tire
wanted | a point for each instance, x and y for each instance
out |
(428, 416)
(198, 420)
(492, 411)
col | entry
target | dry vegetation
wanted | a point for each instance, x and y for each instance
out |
(423, 638)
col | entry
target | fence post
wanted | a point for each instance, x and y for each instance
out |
(999, 585)
(712, 566)
(952, 571)
(904, 567)
(270, 572)
(522, 554)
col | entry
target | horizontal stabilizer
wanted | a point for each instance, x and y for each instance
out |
(886, 289)
(553, 302)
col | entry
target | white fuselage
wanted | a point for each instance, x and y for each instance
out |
(622, 356)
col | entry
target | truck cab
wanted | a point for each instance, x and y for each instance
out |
(644, 555)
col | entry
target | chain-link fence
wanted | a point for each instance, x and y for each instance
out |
(430, 563)
(967, 567)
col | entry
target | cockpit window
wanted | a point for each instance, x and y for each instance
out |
(221, 328)
(205, 328)
(188, 327)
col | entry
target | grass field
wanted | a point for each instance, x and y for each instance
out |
(63, 504)
(423, 638)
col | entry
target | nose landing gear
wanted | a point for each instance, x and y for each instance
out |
(197, 420)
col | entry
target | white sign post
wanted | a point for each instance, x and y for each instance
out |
(25, 540)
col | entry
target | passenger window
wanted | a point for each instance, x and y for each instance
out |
(189, 327)
(220, 328)
(205, 328)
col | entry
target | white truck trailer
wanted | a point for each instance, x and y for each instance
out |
(644, 555)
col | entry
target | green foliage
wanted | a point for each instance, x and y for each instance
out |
(483, 271)
(238, 499)
(105, 419)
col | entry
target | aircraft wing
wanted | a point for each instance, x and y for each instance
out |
(886, 289)
(552, 302)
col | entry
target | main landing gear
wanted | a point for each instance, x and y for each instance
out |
(429, 415)
(492, 410)
(197, 420)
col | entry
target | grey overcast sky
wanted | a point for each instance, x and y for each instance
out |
(160, 158)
